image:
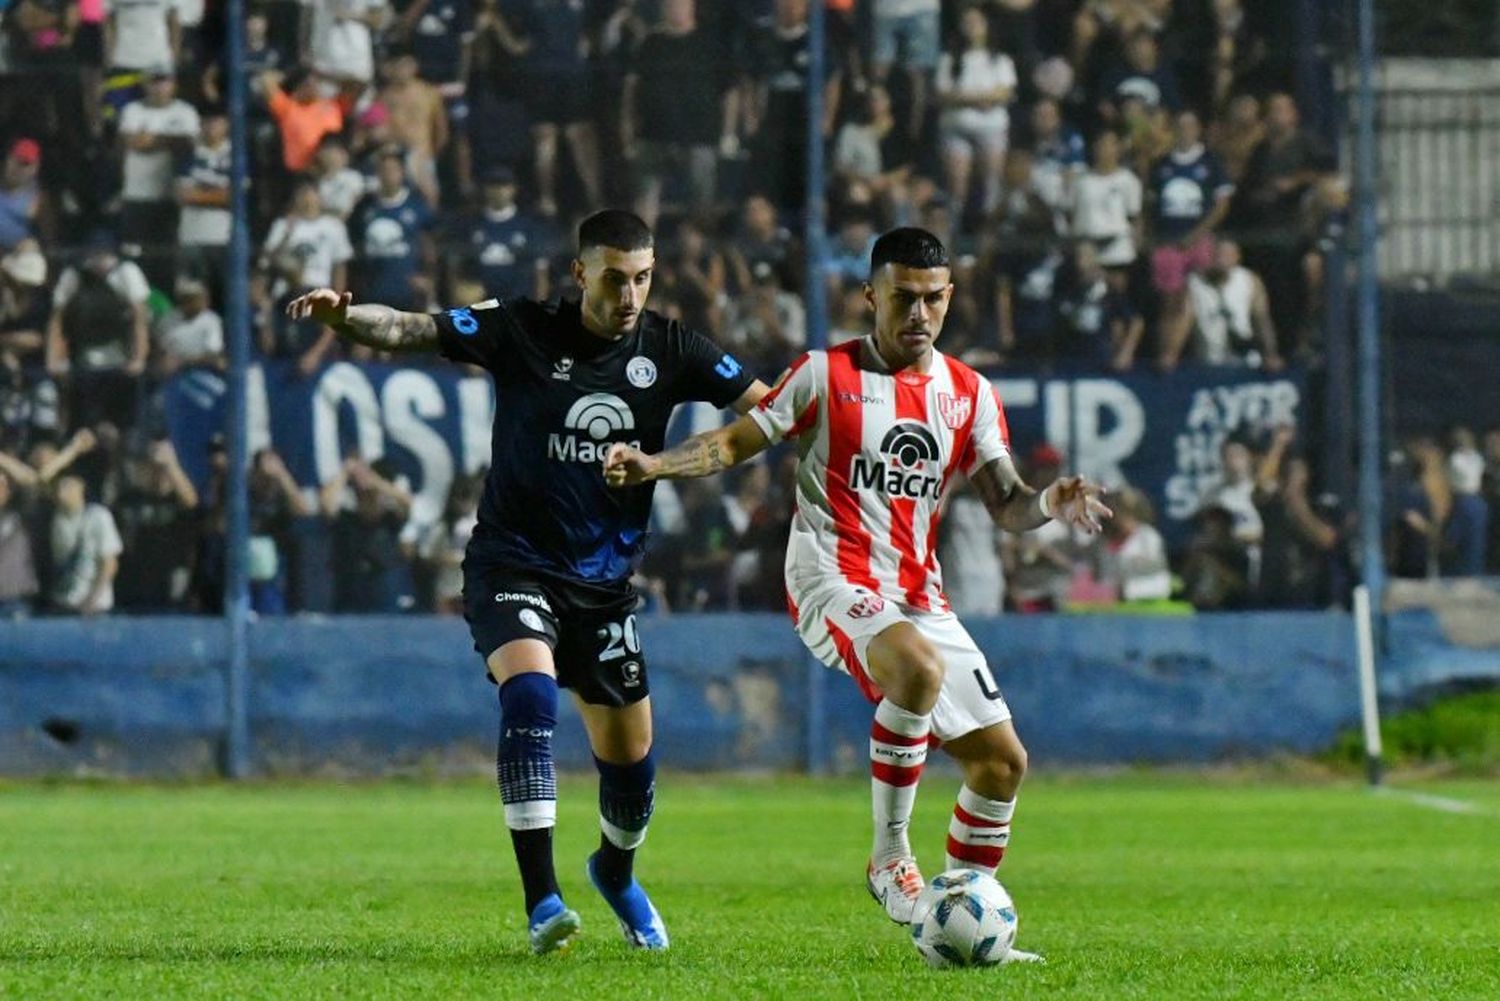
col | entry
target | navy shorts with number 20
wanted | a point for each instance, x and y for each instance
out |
(590, 628)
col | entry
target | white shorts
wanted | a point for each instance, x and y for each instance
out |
(837, 621)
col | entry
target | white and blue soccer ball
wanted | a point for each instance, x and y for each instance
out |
(964, 918)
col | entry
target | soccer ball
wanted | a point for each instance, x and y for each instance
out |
(964, 918)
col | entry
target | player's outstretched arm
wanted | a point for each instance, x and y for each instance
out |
(1016, 507)
(701, 455)
(371, 324)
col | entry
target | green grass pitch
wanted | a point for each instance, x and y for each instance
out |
(1134, 886)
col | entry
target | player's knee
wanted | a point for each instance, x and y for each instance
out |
(1014, 759)
(625, 750)
(922, 667)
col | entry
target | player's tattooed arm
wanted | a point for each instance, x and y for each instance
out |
(371, 324)
(1017, 507)
(701, 455)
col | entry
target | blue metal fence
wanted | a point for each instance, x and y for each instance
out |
(373, 695)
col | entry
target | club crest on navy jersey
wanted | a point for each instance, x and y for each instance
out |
(640, 371)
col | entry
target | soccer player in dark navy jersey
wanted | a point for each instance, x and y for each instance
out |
(547, 591)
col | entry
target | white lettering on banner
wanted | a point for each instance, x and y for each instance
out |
(476, 419)
(257, 411)
(341, 383)
(1016, 392)
(408, 397)
(1216, 413)
(1059, 416)
(1101, 425)
(1098, 453)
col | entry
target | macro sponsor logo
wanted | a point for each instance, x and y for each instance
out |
(909, 468)
(592, 423)
(847, 397)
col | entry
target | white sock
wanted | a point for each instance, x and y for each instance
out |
(898, 750)
(979, 831)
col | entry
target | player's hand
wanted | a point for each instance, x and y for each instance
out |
(1075, 501)
(625, 466)
(321, 305)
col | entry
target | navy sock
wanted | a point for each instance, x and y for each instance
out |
(528, 777)
(626, 796)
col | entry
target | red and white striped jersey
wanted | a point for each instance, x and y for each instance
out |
(878, 452)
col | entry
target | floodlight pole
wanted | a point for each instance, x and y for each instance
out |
(237, 752)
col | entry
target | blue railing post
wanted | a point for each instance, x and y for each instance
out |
(236, 306)
(815, 210)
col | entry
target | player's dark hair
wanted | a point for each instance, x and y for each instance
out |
(910, 247)
(615, 228)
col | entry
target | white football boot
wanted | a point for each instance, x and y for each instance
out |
(896, 886)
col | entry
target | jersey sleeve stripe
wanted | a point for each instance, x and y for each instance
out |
(845, 431)
(805, 420)
(965, 385)
(769, 400)
(1000, 418)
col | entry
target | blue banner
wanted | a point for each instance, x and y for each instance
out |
(1160, 433)
(430, 423)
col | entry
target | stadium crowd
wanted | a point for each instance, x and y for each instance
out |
(1123, 183)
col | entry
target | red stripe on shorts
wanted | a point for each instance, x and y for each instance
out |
(845, 647)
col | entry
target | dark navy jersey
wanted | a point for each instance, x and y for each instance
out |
(1186, 186)
(562, 397)
(387, 237)
(505, 249)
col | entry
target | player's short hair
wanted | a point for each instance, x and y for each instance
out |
(910, 247)
(615, 228)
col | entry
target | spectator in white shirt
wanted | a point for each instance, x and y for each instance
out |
(86, 550)
(155, 132)
(1107, 205)
(192, 334)
(1131, 553)
(306, 248)
(1231, 315)
(974, 86)
(1235, 492)
(142, 33)
(342, 43)
(203, 193)
(340, 186)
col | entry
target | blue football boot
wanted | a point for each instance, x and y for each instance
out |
(639, 921)
(553, 925)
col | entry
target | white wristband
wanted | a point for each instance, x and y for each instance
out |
(1044, 503)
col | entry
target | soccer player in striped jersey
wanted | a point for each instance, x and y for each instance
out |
(883, 425)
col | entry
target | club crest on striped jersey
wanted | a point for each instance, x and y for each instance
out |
(955, 410)
(864, 608)
(909, 467)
